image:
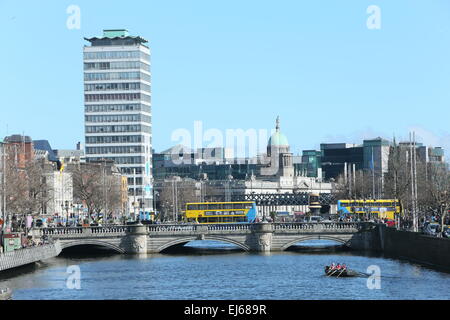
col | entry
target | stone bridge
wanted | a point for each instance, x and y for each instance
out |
(257, 237)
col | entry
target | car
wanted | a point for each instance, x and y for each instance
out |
(390, 223)
(431, 229)
(314, 219)
(446, 232)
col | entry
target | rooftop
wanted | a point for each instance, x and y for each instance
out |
(115, 37)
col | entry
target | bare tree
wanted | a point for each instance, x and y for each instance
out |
(37, 191)
(87, 186)
(174, 193)
(438, 188)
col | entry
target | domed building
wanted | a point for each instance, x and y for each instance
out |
(279, 156)
(278, 141)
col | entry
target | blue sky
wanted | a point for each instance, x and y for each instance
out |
(239, 64)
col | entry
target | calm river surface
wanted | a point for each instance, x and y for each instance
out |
(224, 273)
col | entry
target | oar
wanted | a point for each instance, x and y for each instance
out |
(329, 275)
(361, 273)
(340, 273)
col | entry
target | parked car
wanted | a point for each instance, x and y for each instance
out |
(431, 229)
(314, 219)
(446, 232)
(390, 223)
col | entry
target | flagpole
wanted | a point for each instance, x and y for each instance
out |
(373, 177)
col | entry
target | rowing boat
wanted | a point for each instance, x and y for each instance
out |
(340, 272)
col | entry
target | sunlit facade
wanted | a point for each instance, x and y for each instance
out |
(117, 96)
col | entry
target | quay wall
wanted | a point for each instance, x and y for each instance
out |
(412, 246)
(21, 257)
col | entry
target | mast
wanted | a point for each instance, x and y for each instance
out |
(373, 177)
(416, 225)
(134, 191)
(412, 181)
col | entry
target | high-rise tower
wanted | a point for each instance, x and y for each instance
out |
(117, 102)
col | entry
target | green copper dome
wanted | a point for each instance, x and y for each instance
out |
(278, 139)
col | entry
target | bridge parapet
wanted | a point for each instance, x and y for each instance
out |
(200, 229)
(334, 227)
(70, 232)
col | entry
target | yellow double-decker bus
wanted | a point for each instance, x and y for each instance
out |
(220, 212)
(378, 208)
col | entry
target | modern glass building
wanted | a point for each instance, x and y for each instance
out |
(335, 156)
(117, 102)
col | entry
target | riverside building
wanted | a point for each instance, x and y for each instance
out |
(117, 97)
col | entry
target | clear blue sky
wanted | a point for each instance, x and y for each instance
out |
(239, 64)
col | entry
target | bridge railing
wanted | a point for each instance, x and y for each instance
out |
(312, 226)
(230, 227)
(169, 228)
(164, 228)
(74, 231)
(61, 232)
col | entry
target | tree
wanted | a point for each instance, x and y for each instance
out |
(86, 188)
(26, 190)
(174, 193)
(438, 187)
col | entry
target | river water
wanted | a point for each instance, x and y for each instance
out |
(213, 270)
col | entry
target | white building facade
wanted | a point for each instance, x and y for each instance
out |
(60, 185)
(117, 95)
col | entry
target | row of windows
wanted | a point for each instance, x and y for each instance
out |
(119, 118)
(132, 191)
(218, 206)
(116, 55)
(116, 65)
(96, 76)
(117, 107)
(118, 128)
(123, 160)
(131, 182)
(116, 96)
(114, 139)
(346, 203)
(115, 149)
(135, 170)
(116, 86)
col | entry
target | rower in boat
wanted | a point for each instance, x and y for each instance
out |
(339, 271)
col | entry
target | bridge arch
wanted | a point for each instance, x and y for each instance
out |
(342, 240)
(214, 238)
(92, 242)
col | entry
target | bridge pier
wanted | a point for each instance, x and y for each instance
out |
(135, 240)
(260, 240)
